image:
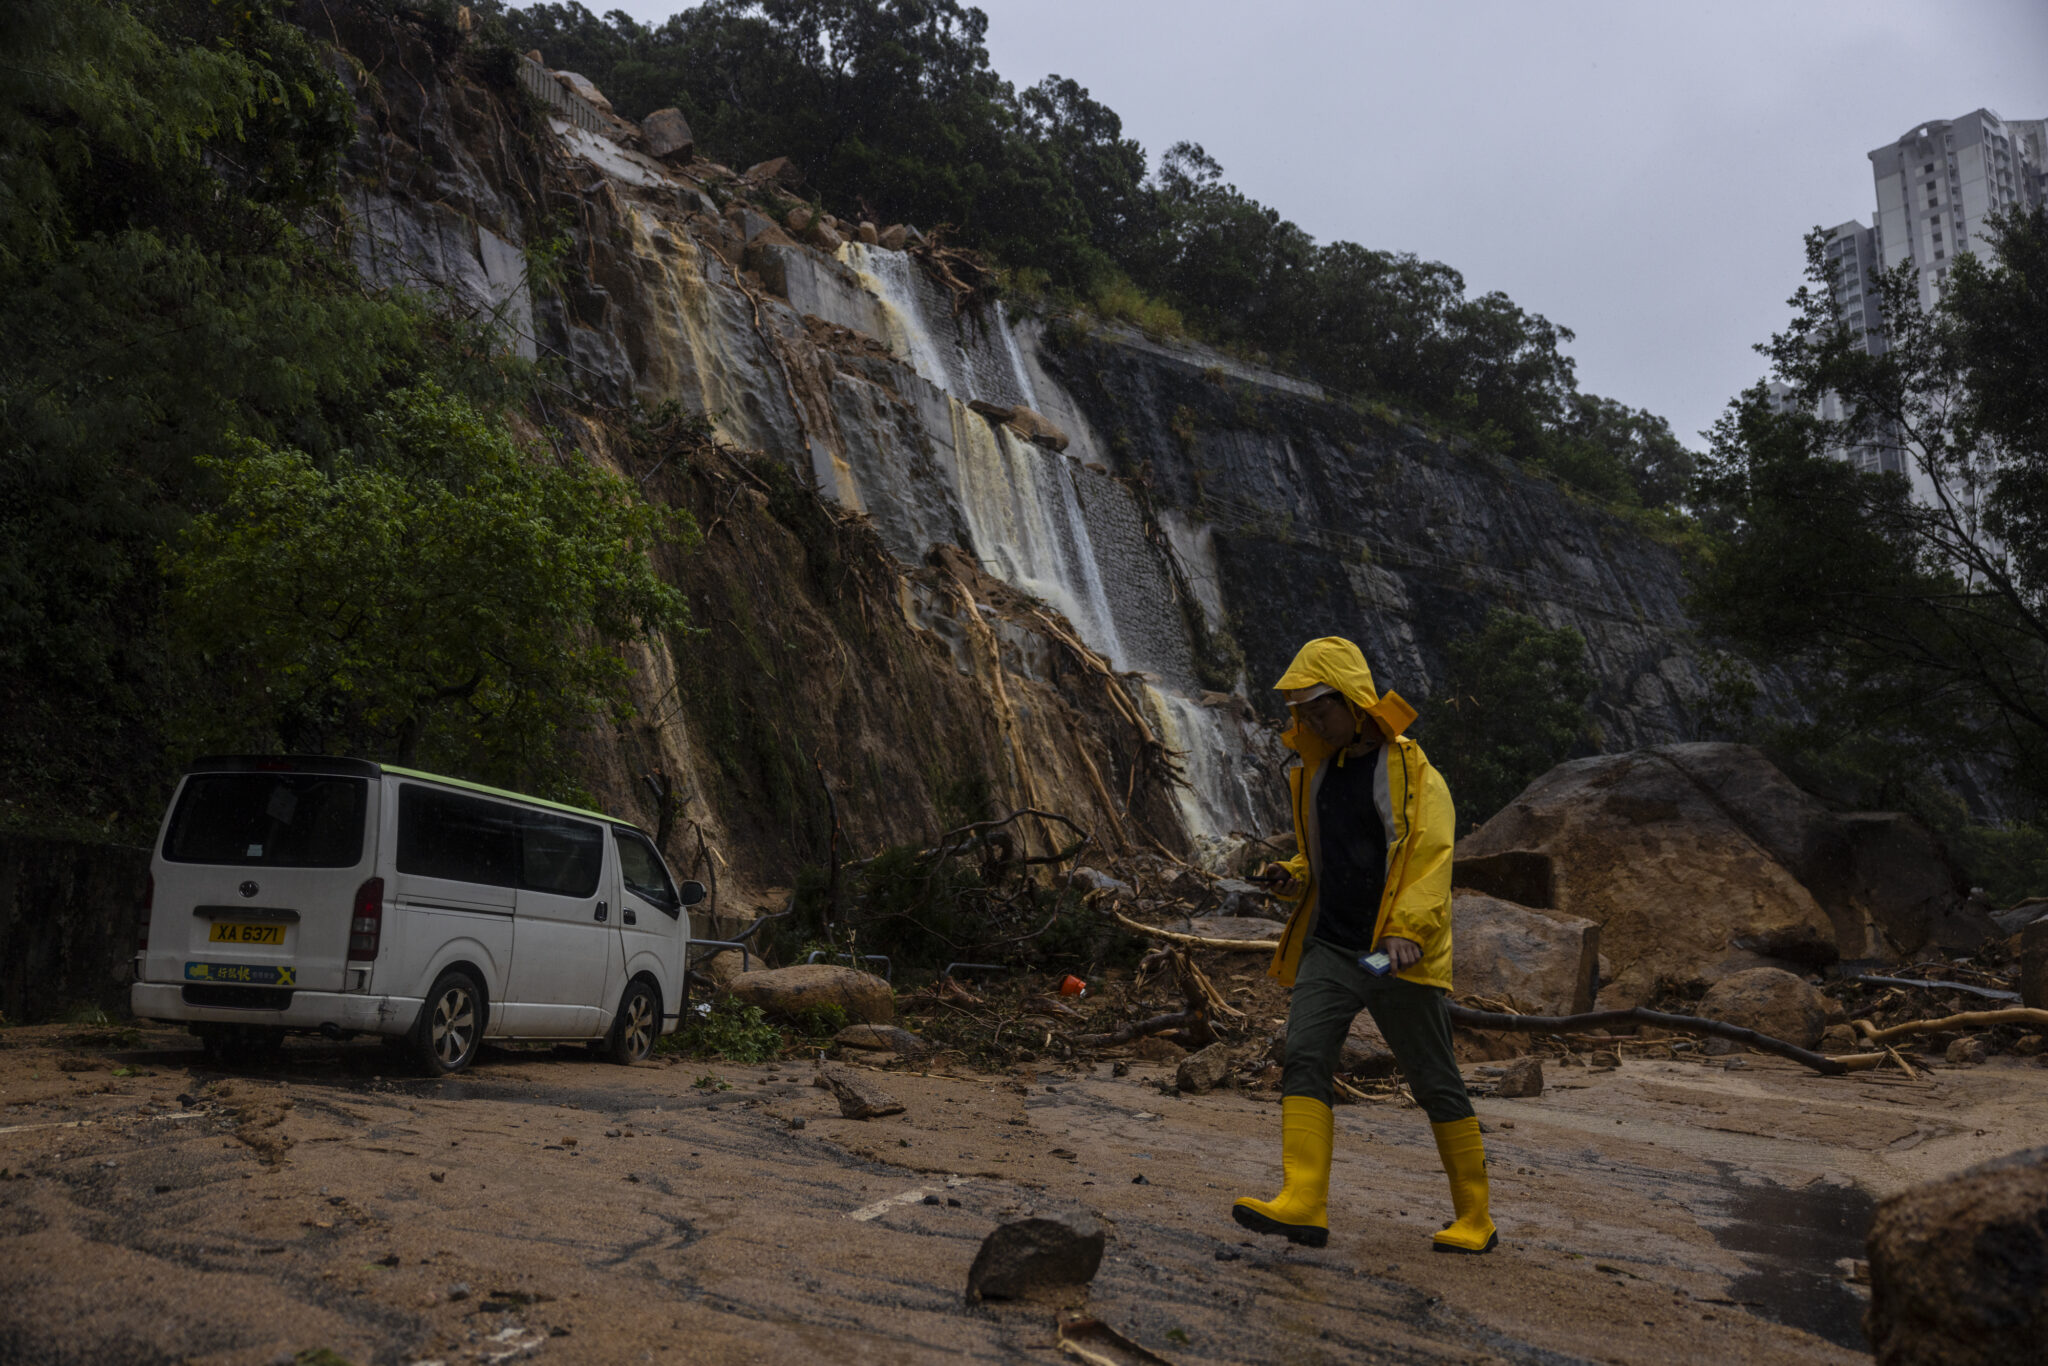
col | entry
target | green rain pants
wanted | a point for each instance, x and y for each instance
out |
(1329, 991)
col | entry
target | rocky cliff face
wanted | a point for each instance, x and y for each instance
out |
(1108, 612)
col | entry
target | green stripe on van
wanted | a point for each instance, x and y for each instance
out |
(501, 792)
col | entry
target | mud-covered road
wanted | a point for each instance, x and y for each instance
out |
(545, 1206)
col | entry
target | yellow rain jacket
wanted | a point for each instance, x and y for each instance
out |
(1414, 805)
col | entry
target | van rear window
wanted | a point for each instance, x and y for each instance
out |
(473, 839)
(269, 820)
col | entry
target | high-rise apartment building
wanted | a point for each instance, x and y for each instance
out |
(1937, 186)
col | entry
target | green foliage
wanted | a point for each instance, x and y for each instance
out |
(1517, 706)
(1916, 626)
(728, 1030)
(820, 1022)
(453, 600)
(2009, 859)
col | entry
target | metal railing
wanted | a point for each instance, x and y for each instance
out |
(540, 82)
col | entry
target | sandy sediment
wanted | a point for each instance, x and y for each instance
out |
(553, 1207)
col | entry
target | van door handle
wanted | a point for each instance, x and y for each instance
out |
(603, 912)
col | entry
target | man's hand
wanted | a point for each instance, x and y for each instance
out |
(1275, 878)
(1404, 953)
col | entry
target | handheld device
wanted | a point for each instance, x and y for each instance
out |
(1378, 964)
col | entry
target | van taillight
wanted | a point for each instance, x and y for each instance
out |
(142, 916)
(366, 924)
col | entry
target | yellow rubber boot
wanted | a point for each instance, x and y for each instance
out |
(1464, 1158)
(1300, 1212)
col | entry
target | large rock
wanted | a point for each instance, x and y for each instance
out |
(1959, 1268)
(858, 1097)
(667, 135)
(789, 992)
(1365, 1052)
(1026, 423)
(1770, 1001)
(1695, 859)
(775, 171)
(582, 85)
(1206, 1070)
(1543, 964)
(1032, 1256)
(2034, 965)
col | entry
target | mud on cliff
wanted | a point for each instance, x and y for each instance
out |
(903, 596)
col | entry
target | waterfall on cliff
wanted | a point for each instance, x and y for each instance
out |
(1027, 524)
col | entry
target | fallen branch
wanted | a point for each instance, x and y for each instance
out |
(1175, 936)
(1975, 1019)
(1994, 993)
(1138, 1029)
(1557, 1024)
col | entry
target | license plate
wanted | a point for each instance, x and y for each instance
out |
(229, 932)
(243, 974)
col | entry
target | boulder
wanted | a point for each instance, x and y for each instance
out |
(2021, 914)
(895, 237)
(667, 135)
(1543, 964)
(1522, 1077)
(1206, 1070)
(870, 234)
(1838, 1039)
(1770, 1001)
(582, 85)
(799, 219)
(2034, 965)
(1365, 1052)
(1023, 421)
(1638, 846)
(821, 235)
(1959, 1268)
(775, 171)
(858, 1097)
(789, 992)
(1029, 1257)
(1967, 1051)
(881, 1039)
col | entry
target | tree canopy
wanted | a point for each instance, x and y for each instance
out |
(165, 317)
(1913, 606)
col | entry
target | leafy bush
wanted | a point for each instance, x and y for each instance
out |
(728, 1030)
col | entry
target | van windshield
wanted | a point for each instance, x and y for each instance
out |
(269, 820)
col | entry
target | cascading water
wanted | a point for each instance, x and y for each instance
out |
(1033, 524)
(1027, 525)
(1210, 748)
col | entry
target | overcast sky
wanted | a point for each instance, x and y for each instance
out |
(1639, 171)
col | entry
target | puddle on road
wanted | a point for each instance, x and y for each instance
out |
(1793, 1241)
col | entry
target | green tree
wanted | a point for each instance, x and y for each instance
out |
(1917, 622)
(1515, 707)
(457, 601)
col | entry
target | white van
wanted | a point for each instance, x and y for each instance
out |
(350, 897)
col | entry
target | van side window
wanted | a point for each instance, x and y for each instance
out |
(559, 855)
(269, 820)
(644, 874)
(463, 839)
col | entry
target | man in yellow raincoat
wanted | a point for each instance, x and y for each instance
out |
(1371, 930)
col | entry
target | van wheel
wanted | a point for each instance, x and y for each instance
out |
(636, 1026)
(451, 1025)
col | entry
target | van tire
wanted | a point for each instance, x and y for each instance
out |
(637, 1025)
(450, 1028)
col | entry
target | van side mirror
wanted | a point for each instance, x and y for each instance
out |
(692, 893)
